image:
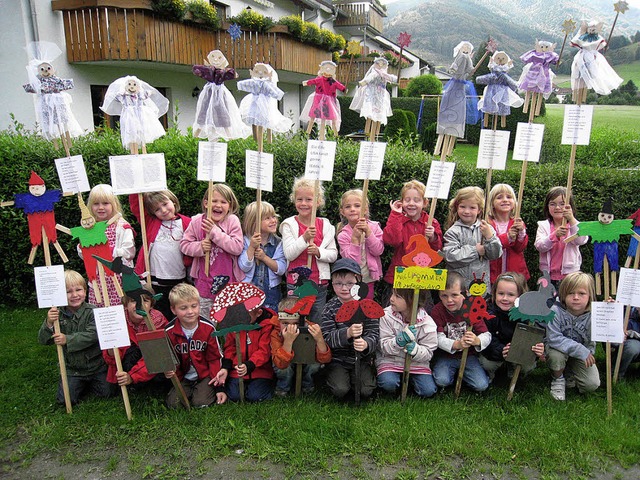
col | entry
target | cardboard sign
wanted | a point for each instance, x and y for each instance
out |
(157, 352)
(50, 287)
(421, 278)
(493, 149)
(112, 327)
(528, 142)
(304, 349)
(72, 174)
(440, 177)
(607, 322)
(138, 173)
(576, 128)
(321, 156)
(370, 160)
(259, 170)
(212, 162)
(524, 337)
(629, 287)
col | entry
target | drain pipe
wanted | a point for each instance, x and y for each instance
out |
(35, 35)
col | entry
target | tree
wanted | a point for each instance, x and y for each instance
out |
(484, 68)
(424, 85)
(619, 41)
(636, 37)
(629, 87)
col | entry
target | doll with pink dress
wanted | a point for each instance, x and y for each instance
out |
(322, 106)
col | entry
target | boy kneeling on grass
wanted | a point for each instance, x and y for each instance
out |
(345, 340)
(198, 352)
(86, 370)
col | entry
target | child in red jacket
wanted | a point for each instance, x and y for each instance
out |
(199, 355)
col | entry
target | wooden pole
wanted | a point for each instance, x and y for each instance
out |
(627, 314)
(299, 367)
(611, 33)
(207, 256)
(514, 380)
(145, 243)
(463, 364)
(240, 379)
(609, 386)
(45, 247)
(407, 358)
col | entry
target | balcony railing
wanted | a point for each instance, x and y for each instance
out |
(360, 14)
(349, 72)
(127, 30)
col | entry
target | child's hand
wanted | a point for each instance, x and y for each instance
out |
(505, 351)
(518, 224)
(315, 331)
(411, 348)
(512, 233)
(568, 215)
(486, 230)
(429, 232)
(309, 234)
(360, 345)
(206, 245)
(396, 206)
(59, 338)
(561, 231)
(220, 378)
(259, 254)
(207, 225)
(480, 249)
(170, 374)
(355, 330)
(221, 397)
(363, 226)
(254, 243)
(406, 336)
(590, 361)
(123, 378)
(538, 349)
(313, 250)
(52, 316)
(290, 333)
(470, 339)
(241, 369)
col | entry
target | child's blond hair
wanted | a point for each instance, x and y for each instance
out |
(467, 193)
(574, 281)
(356, 192)
(104, 193)
(415, 185)
(300, 183)
(250, 218)
(73, 279)
(225, 192)
(497, 190)
(512, 277)
(153, 199)
(183, 292)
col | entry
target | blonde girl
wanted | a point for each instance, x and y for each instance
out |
(511, 232)
(104, 205)
(262, 259)
(165, 227)
(360, 239)
(301, 239)
(397, 338)
(221, 236)
(569, 347)
(557, 257)
(470, 243)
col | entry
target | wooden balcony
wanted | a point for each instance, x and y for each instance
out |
(360, 14)
(349, 72)
(127, 30)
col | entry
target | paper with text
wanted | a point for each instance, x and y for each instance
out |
(212, 162)
(321, 156)
(370, 160)
(493, 149)
(577, 124)
(629, 287)
(50, 287)
(259, 170)
(112, 327)
(528, 142)
(138, 173)
(72, 174)
(439, 181)
(607, 322)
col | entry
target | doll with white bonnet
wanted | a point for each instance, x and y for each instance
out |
(500, 92)
(53, 103)
(322, 105)
(139, 106)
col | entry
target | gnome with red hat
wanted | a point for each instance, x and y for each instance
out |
(38, 204)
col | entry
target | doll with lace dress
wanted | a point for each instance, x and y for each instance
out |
(322, 105)
(537, 78)
(500, 91)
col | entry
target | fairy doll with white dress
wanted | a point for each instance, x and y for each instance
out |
(372, 100)
(139, 106)
(589, 68)
(53, 103)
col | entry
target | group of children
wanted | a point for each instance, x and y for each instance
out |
(356, 355)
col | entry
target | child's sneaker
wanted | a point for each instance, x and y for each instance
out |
(571, 382)
(557, 388)
(281, 393)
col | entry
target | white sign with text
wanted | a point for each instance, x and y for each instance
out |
(629, 287)
(50, 287)
(138, 173)
(576, 128)
(212, 162)
(321, 156)
(493, 149)
(528, 142)
(606, 322)
(112, 327)
(72, 174)
(370, 160)
(439, 181)
(259, 170)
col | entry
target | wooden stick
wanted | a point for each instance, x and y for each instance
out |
(609, 386)
(314, 208)
(45, 247)
(514, 380)
(523, 176)
(60, 251)
(145, 243)
(407, 358)
(63, 371)
(564, 42)
(473, 72)
(609, 39)
(527, 99)
(299, 367)
(240, 379)
(357, 373)
(207, 256)
(32, 254)
(572, 166)
(487, 190)
(123, 388)
(463, 364)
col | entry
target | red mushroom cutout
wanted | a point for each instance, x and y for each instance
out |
(232, 306)
(420, 253)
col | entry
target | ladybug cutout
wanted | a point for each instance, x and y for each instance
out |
(357, 311)
(477, 287)
(420, 253)
(474, 307)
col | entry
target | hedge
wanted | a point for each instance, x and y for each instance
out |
(21, 153)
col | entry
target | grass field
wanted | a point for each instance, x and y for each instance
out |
(624, 117)
(628, 71)
(532, 436)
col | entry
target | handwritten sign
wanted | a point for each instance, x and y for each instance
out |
(112, 327)
(439, 181)
(72, 174)
(212, 162)
(629, 287)
(259, 170)
(528, 142)
(421, 278)
(321, 156)
(576, 128)
(606, 322)
(50, 287)
(138, 173)
(493, 149)
(370, 160)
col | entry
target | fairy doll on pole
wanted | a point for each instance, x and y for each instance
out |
(322, 105)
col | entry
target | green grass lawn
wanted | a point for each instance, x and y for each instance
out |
(624, 117)
(310, 438)
(628, 71)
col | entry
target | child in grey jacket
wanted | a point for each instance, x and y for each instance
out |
(470, 243)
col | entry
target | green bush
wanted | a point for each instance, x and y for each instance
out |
(204, 11)
(429, 137)
(424, 85)
(174, 9)
(294, 23)
(22, 152)
(308, 32)
(311, 34)
(398, 124)
(252, 20)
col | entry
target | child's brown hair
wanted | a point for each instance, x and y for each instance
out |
(475, 194)
(511, 277)
(153, 199)
(250, 217)
(572, 282)
(554, 193)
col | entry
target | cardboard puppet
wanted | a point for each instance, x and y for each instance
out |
(535, 307)
(633, 243)
(322, 105)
